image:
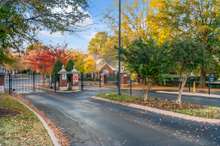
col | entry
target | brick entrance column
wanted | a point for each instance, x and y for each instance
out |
(63, 79)
(124, 78)
(2, 80)
(2, 83)
(75, 79)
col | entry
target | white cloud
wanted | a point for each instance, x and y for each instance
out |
(88, 21)
(47, 33)
(85, 23)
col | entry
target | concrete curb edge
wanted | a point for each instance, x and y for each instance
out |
(58, 91)
(50, 132)
(212, 96)
(163, 112)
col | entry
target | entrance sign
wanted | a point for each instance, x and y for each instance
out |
(211, 78)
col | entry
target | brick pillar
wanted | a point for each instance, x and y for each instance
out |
(2, 83)
(124, 78)
(63, 82)
(75, 81)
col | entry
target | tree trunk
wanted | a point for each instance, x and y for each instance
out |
(183, 83)
(202, 81)
(147, 90)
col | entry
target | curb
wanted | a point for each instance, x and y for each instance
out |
(214, 96)
(48, 129)
(163, 112)
(58, 91)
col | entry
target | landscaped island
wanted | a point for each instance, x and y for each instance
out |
(169, 105)
(19, 126)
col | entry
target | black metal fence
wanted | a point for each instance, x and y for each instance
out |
(22, 82)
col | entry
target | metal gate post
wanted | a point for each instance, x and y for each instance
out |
(9, 83)
(82, 86)
(33, 81)
(130, 86)
(100, 80)
(55, 83)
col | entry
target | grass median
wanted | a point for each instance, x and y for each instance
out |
(19, 126)
(169, 105)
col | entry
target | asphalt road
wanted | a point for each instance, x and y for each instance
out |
(89, 122)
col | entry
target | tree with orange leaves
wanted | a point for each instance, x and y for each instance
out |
(42, 59)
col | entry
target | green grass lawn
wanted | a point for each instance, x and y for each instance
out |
(207, 112)
(185, 108)
(19, 126)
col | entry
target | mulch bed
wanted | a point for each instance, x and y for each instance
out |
(168, 104)
(8, 112)
(163, 104)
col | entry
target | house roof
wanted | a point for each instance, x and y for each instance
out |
(100, 63)
(112, 68)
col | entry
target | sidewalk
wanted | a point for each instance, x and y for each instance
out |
(192, 94)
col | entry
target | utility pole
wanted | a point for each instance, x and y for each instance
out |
(119, 50)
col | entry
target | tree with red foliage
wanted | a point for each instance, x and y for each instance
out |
(42, 60)
(61, 54)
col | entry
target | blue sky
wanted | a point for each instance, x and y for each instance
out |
(79, 40)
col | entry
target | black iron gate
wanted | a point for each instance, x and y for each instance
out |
(88, 82)
(22, 82)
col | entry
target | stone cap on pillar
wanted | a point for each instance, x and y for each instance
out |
(74, 71)
(62, 71)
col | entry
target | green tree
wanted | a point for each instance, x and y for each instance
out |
(5, 58)
(146, 59)
(70, 65)
(197, 19)
(186, 56)
(56, 68)
(69, 68)
(20, 20)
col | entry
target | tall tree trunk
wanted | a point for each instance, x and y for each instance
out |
(147, 90)
(202, 81)
(183, 83)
